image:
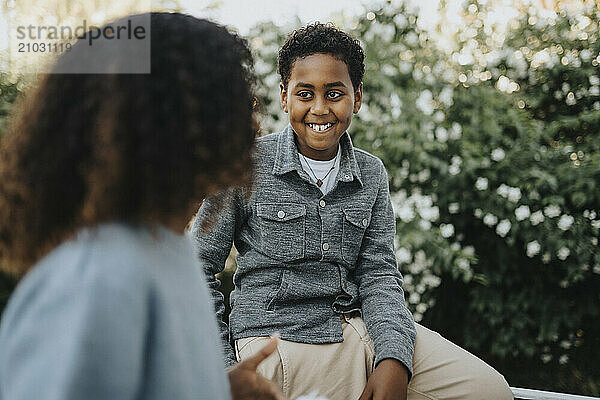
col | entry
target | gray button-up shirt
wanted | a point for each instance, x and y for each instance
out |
(305, 257)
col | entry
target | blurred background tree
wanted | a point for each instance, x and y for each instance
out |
(489, 131)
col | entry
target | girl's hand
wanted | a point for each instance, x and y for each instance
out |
(246, 384)
(389, 381)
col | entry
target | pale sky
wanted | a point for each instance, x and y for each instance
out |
(243, 14)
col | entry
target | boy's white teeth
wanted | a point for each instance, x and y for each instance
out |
(320, 127)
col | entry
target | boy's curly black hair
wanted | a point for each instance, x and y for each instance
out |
(321, 38)
(139, 148)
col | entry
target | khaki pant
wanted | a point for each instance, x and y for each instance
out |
(339, 371)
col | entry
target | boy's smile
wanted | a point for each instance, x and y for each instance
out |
(320, 100)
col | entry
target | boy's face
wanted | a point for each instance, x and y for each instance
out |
(320, 101)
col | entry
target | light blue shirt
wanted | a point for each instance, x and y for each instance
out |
(117, 313)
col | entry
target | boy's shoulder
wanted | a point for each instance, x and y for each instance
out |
(371, 167)
(366, 157)
(266, 149)
(268, 140)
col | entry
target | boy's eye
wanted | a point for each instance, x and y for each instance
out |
(334, 94)
(304, 95)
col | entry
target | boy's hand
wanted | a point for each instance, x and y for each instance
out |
(246, 384)
(389, 381)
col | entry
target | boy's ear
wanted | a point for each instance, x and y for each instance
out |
(283, 94)
(357, 98)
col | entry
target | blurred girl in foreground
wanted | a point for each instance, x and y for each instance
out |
(98, 177)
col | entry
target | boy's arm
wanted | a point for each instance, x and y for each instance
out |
(388, 320)
(213, 247)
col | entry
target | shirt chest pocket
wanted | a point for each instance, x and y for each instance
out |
(354, 225)
(282, 230)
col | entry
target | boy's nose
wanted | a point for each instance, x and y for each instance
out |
(319, 107)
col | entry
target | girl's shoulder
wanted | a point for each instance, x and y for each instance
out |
(111, 259)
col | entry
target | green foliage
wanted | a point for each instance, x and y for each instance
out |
(9, 91)
(493, 154)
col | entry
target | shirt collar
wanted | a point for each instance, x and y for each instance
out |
(287, 159)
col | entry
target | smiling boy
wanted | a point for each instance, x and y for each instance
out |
(320, 99)
(316, 258)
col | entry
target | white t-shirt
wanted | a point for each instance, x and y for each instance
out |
(322, 170)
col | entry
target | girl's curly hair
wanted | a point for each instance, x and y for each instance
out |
(140, 148)
(321, 38)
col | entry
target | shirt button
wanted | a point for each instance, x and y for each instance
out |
(322, 203)
(365, 222)
(325, 246)
(281, 214)
(347, 177)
